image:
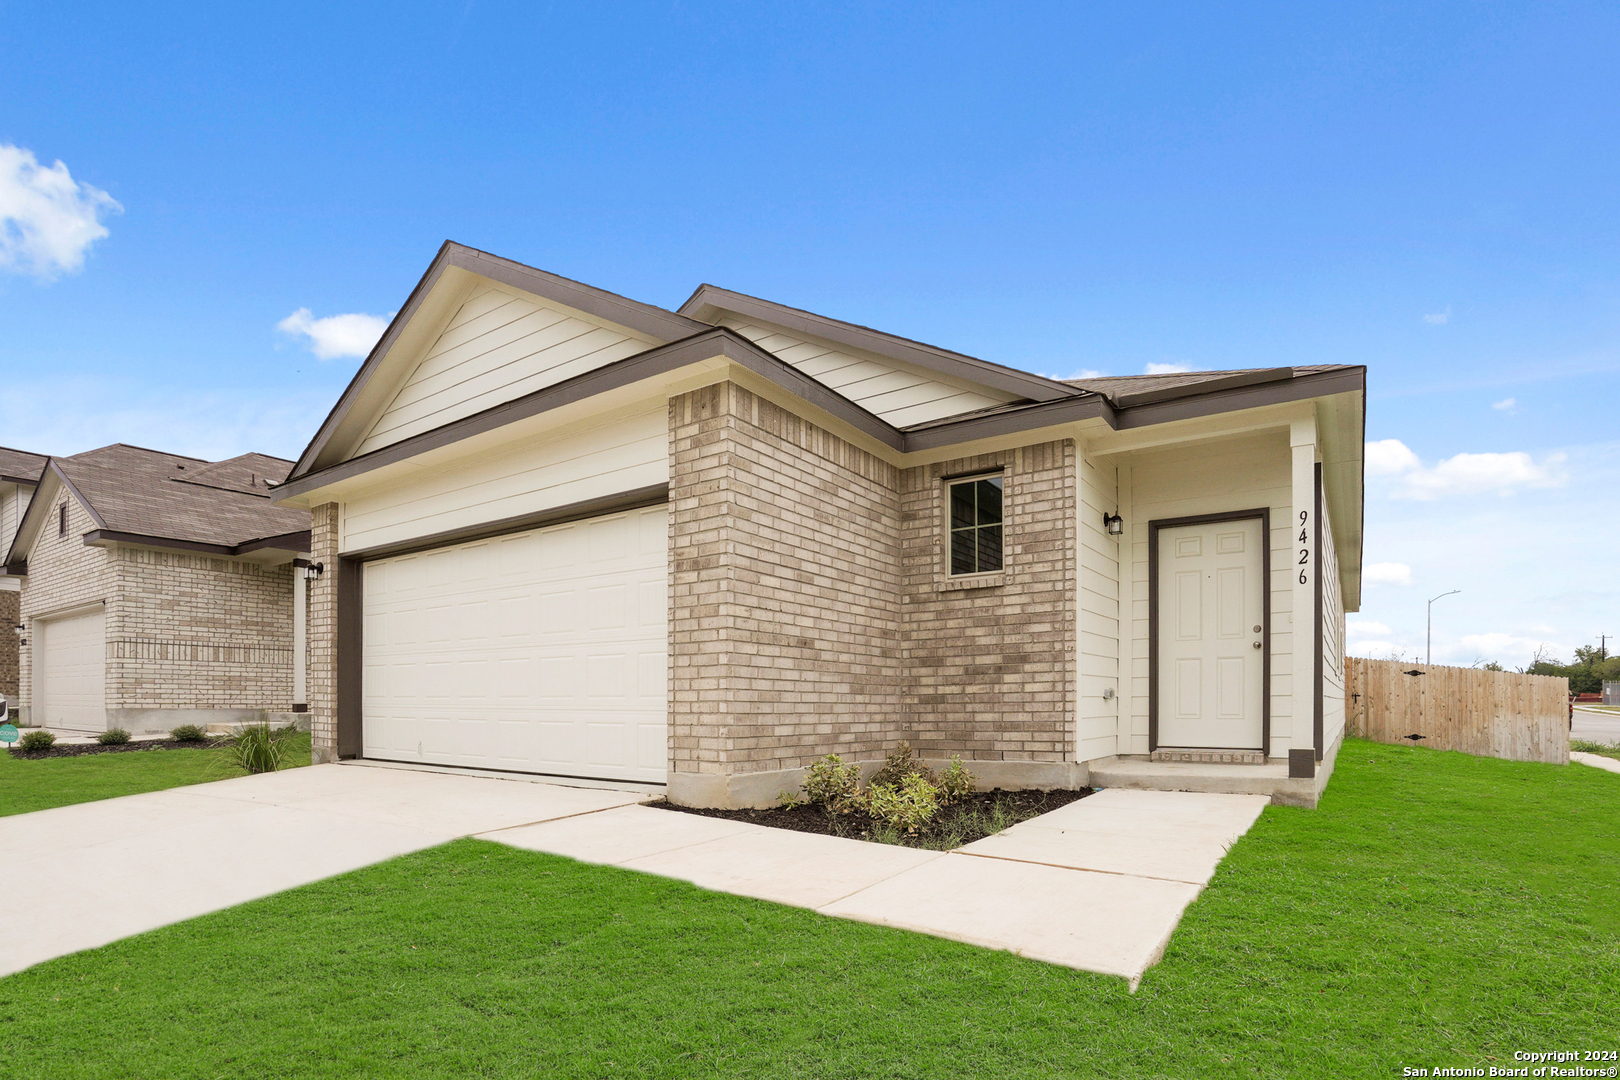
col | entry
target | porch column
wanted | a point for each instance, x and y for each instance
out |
(300, 586)
(1302, 566)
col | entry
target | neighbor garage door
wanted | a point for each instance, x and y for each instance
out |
(540, 652)
(72, 680)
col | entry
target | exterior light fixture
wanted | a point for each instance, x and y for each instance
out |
(21, 629)
(314, 570)
(1114, 524)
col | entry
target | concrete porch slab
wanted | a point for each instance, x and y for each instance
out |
(1108, 923)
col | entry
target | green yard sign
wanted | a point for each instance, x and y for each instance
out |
(8, 733)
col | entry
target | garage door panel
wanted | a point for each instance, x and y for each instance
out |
(73, 671)
(544, 652)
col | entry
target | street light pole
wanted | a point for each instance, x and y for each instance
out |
(1428, 644)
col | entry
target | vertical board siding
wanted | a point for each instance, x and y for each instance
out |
(498, 346)
(1241, 473)
(1332, 643)
(1097, 732)
(898, 395)
(1490, 713)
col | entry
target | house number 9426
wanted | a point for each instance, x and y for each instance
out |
(1304, 539)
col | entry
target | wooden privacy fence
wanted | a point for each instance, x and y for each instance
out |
(1490, 713)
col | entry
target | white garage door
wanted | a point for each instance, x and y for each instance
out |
(539, 652)
(72, 681)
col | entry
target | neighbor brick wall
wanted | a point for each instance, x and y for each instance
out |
(321, 675)
(784, 589)
(990, 672)
(195, 631)
(10, 613)
(62, 574)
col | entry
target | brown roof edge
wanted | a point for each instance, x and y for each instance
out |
(20, 481)
(95, 515)
(713, 341)
(931, 357)
(646, 318)
(1205, 386)
(284, 542)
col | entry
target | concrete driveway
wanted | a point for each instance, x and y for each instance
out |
(1097, 885)
(1595, 726)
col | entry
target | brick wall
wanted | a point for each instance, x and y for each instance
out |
(62, 574)
(990, 672)
(198, 632)
(784, 589)
(10, 613)
(321, 675)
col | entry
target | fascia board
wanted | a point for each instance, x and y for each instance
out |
(42, 503)
(712, 343)
(709, 299)
(293, 541)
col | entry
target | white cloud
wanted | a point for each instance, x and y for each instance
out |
(1166, 369)
(1438, 318)
(1505, 405)
(336, 335)
(1361, 628)
(1473, 474)
(1387, 457)
(47, 219)
(1375, 650)
(1084, 373)
(1509, 647)
(1387, 573)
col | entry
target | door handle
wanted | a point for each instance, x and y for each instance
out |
(1257, 644)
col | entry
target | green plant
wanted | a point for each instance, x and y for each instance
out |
(832, 785)
(786, 800)
(1586, 746)
(900, 764)
(37, 740)
(258, 748)
(909, 805)
(113, 737)
(188, 733)
(955, 782)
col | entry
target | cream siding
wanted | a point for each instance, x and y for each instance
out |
(1216, 477)
(898, 394)
(1097, 728)
(616, 454)
(499, 345)
(1333, 675)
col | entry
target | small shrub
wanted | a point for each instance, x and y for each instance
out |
(832, 785)
(909, 805)
(188, 733)
(38, 740)
(113, 737)
(955, 782)
(258, 748)
(900, 764)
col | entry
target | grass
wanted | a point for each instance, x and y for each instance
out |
(1588, 747)
(43, 783)
(1436, 910)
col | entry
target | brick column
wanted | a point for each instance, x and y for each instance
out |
(323, 634)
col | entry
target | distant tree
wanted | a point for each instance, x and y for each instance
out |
(1491, 665)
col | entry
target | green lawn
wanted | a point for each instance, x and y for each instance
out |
(1586, 746)
(1437, 910)
(46, 782)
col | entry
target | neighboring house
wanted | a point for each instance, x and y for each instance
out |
(568, 533)
(19, 476)
(157, 590)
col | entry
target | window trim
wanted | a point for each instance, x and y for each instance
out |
(949, 482)
(62, 519)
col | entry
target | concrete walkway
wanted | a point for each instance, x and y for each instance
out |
(1097, 885)
(1597, 761)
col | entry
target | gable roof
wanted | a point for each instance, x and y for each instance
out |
(136, 495)
(20, 467)
(709, 301)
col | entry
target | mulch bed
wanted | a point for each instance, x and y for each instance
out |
(960, 818)
(80, 749)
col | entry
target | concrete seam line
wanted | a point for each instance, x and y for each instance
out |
(1076, 869)
(887, 877)
(545, 820)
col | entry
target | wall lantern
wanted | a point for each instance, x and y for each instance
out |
(21, 629)
(313, 570)
(1114, 524)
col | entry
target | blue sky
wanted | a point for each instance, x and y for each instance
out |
(1063, 188)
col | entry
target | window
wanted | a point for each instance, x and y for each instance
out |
(975, 525)
(61, 520)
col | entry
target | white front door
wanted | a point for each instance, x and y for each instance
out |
(543, 651)
(1211, 656)
(72, 680)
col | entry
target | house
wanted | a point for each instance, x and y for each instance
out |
(19, 475)
(157, 590)
(567, 533)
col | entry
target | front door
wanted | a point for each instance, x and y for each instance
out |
(1211, 680)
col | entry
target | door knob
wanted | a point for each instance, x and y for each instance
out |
(1257, 644)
